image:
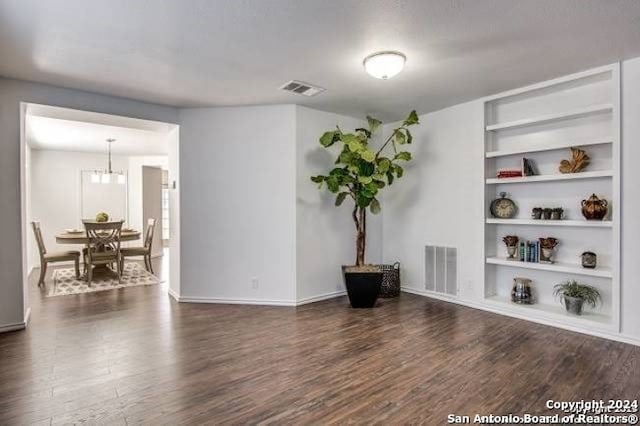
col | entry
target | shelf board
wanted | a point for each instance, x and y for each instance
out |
(551, 147)
(541, 222)
(549, 118)
(556, 177)
(552, 312)
(566, 268)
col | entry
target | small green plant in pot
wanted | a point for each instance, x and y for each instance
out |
(574, 295)
(360, 172)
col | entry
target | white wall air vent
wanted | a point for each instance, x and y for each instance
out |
(441, 270)
(302, 88)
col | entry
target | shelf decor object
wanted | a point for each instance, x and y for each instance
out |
(579, 160)
(535, 127)
(503, 207)
(595, 208)
(511, 241)
(548, 245)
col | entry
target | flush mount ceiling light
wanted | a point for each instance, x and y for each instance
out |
(384, 65)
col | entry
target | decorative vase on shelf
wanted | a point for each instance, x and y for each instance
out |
(511, 241)
(547, 249)
(589, 260)
(521, 292)
(595, 208)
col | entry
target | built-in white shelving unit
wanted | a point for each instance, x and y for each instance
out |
(539, 222)
(545, 178)
(549, 118)
(548, 147)
(542, 122)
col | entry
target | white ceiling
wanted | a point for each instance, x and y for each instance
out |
(61, 129)
(222, 52)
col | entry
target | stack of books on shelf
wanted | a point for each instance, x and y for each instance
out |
(509, 173)
(529, 251)
(527, 168)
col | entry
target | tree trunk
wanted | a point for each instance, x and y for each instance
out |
(361, 237)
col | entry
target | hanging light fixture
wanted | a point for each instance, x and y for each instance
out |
(384, 65)
(105, 176)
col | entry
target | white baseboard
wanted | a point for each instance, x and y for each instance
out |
(263, 302)
(13, 327)
(224, 301)
(27, 317)
(618, 337)
(334, 294)
(173, 294)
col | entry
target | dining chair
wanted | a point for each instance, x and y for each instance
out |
(144, 251)
(103, 246)
(59, 256)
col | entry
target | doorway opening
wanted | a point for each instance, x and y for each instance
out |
(80, 166)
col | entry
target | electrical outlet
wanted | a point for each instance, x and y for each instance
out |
(254, 283)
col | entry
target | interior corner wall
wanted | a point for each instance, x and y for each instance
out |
(439, 199)
(237, 198)
(325, 234)
(12, 93)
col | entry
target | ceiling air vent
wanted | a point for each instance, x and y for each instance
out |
(302, 88)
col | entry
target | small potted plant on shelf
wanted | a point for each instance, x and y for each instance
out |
(574, 295)
(359, 173)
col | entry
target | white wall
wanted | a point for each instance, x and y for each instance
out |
(440, 201)
(237, 198)
(325, 234)
(56, 192)
(630, 198)
(13, 256)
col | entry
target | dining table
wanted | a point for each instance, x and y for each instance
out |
(79, 236)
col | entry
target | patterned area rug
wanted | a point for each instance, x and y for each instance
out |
(65, 282)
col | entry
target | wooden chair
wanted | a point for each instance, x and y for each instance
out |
(103, 246)
(142, 251)
(46, 258)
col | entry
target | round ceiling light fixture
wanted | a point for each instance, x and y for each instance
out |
(384, 65)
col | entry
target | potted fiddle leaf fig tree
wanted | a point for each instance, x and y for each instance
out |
(360, 173)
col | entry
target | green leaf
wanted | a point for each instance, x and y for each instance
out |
(379, 183)
(366, 133)
(318, 179)
(362, 201)
(374, 123)
(383, 165)
(365, 168)
(409, 136)
(332, 184)
(389, 178)
(412, 119)
(400, 138)
(368, 155)
(365, 179)
(340, 198)
(399, 170)
(375, 206)
(404, 155)
(338, 171)
(327, 139)
(367, 193)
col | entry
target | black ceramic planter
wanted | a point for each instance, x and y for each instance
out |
(363, 288)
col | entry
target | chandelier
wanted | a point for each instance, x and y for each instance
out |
(108, 175)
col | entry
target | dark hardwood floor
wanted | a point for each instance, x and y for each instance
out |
(135, 356)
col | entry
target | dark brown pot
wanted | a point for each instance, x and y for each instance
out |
(594, 208)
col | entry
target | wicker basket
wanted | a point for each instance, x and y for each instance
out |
(390, 280)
